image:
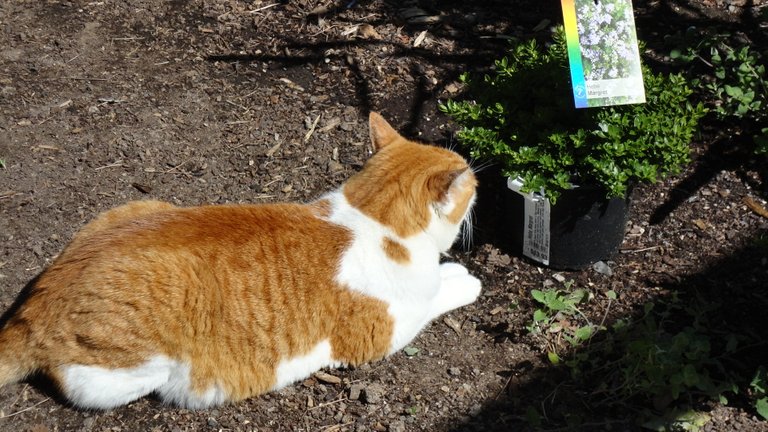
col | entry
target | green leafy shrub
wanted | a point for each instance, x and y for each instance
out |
(522, 116)
(734, 83)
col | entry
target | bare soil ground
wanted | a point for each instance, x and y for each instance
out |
(227, 101)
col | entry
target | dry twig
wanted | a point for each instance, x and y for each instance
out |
(755, 207)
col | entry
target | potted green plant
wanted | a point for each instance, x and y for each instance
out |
(521, 116)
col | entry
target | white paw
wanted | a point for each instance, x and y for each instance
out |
(459, 291)
(450, 270)
(470, 287)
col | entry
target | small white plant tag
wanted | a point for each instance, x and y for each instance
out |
(603, 53)
(536, 219)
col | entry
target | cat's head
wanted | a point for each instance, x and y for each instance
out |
(413, 188)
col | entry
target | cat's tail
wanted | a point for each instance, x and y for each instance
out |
(15, 358)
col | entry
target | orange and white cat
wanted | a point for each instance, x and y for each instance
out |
(211, 304)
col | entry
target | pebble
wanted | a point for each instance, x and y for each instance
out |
(602, 268)
(355, 390)
(334, 166)
(373, 393)
(396, 426)
(455, 371)
(327, 378)
(558, 277)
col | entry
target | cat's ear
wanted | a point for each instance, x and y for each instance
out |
(382, 134)
(441, 182)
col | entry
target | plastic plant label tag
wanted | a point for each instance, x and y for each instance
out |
(536, 220)
(603, 53)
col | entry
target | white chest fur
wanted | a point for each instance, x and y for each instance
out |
(414, 289)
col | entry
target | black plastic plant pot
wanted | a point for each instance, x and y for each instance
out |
(584, 227)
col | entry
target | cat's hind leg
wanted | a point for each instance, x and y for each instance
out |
(179, 391)
(98, 387)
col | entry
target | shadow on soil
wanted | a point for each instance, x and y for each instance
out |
(478, 30)
(720, 312)
(725, 154)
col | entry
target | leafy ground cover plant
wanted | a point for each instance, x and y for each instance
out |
(659, 362)
(734, 83)
(560, 321)
(521, 115)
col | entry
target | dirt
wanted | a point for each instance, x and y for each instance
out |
(226, 101)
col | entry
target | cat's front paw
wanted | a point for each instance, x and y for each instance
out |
(450, 270)
(467, 287)
(456, 291)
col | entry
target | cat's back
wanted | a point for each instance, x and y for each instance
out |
(205, 232)
(181, 263)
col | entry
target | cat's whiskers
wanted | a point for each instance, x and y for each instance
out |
(481, 166)
(467, 226)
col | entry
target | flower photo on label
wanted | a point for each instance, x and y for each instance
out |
(607, 38)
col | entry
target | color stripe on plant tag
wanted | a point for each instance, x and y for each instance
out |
(574, 54)
(602, 52)
(536, 211)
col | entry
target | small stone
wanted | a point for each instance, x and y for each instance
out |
(396, 426)
(348, 126)
(445, 389)
(558, 277)
(602, 268)
(212, 422)
(701, 224)
(355, 390)
(373, 394)
(88, 422)
(455, 371)
(334, 166)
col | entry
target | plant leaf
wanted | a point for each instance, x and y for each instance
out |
(411, 351)
(762, 407)
(584, 333)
